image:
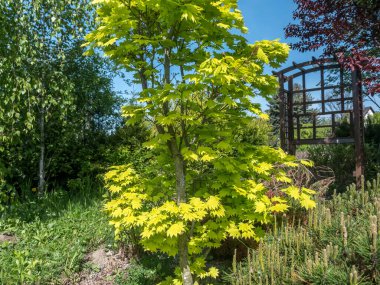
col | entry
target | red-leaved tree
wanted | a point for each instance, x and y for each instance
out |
(346, 29)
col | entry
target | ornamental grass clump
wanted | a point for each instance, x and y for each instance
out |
(335, 243)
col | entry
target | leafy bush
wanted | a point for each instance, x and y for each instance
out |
(335, 243)
(257, 132)
(126, 146)
(341, 158)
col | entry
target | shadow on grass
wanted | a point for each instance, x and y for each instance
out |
(84, 192)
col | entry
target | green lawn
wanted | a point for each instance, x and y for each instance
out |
(53, 236)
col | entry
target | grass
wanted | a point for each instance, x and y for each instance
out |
(53, 234)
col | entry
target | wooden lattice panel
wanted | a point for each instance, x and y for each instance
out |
(316, 114)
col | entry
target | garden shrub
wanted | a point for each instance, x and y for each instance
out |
(341, 158)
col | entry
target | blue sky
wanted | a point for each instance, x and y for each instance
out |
(265, 19)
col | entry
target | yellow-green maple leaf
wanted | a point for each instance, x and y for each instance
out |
(176, 229)
(306, 202)
(213, 202)
(293, 192)
(213, 272)
(279, 208)
(260, 207)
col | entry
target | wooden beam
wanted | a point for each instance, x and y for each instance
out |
(319, 88)
(326, 141)
(291, 145)
(323, 101)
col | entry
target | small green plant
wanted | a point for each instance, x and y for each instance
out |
(149, 269)
(52, 236)
(335, 243)
(25, 266)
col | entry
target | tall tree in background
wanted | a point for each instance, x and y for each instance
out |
(47, 87)
(348, 29)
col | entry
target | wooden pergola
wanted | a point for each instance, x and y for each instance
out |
(347, 102)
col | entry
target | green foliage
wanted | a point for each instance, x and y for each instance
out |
(198, 75)
(335, 243)
(138, 274)
(341, 158)
(53, 234)
(374, 119)
(56, 105)
(149, 269)
(125, 146)
(257, 132)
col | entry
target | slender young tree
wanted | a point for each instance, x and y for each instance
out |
(198, 75)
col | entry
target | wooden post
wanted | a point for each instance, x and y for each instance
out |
(358, 124)
(341, 82)
(291, 144)
(323, 88)
(281, 97)
(304, 97)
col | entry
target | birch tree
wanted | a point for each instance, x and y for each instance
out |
(43, 82)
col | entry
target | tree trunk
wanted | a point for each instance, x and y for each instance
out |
(187, 278)
(41, 168)
(179, 163)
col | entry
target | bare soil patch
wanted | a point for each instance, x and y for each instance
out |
(100, 268)
(7, 238)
